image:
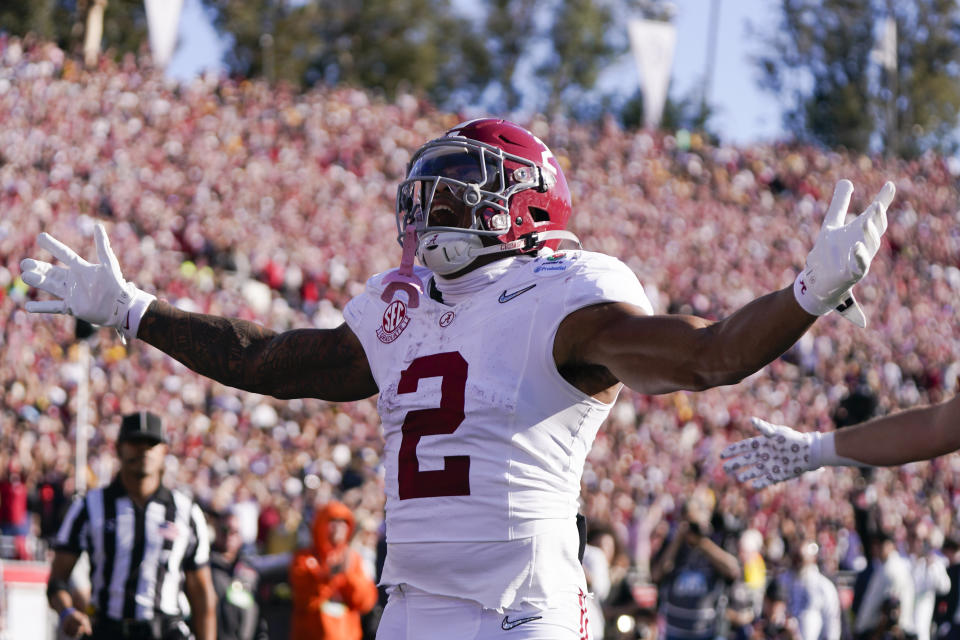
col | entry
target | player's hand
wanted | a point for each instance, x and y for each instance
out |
(76, 623)
(96, 293)
(777, 454)
(842, 254)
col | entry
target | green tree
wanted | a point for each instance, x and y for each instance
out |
(58, 21)
(419, 45)
(549, 55)
(62, 21)
(581, 49)
(498, 54)
(510, 28)
(927, 83)
(125, 27)
(20, 18)
(817, 61)
(821, 62)
(270, 38)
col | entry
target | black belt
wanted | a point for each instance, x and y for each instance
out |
(158, 628)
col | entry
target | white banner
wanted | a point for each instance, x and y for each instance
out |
(652, 43)
(885, 49)
(163, 21)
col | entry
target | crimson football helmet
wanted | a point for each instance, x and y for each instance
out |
(508, 180)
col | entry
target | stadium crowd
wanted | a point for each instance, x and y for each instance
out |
(240, 199)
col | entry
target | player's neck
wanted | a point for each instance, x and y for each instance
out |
(456, 290)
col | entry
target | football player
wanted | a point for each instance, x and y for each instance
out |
(495, 361)
(780, 453)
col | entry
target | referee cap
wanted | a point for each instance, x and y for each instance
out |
(142, 425)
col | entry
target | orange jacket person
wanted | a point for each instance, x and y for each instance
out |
(331, 590)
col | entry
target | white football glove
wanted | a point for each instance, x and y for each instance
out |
(780, 453)
(841, 255)
(96, 293)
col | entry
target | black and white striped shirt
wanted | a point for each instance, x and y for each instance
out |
(137, 556)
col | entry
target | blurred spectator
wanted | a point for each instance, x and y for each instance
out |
(948, 606)
(49, 502)
(856, 407)
(597, 555)
(812, 597)
(629, 610)
(235, 582)
(742, 611)
(775, 621)
(694, 574)
(929, 575)
(14, 517)
(864, 578)
(268, 519)
(750, 547)
(330, 587)
(888, 626)
(248, 513)
(888, 603)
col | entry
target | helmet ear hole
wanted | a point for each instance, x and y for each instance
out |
(538, 214)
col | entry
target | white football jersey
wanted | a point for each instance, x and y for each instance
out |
(484, 439)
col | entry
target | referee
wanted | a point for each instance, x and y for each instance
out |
(146, 544)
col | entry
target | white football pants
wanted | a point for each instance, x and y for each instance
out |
(412, 614)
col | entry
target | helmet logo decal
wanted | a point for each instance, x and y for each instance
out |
(446, 319)
(395, 320)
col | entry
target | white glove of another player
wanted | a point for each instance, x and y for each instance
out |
(842, 254)
(780, 453)
(96, 293)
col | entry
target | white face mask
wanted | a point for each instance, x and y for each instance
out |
(446, 252)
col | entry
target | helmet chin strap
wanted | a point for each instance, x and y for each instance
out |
(446, 252)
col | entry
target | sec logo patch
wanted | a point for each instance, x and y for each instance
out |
(395, 320)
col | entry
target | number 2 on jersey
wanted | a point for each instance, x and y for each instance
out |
(454, 478)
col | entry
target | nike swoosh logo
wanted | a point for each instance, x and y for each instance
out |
(507, 623)
(507, 297)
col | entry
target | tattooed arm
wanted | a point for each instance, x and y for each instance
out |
(327, 364)
(303, 363)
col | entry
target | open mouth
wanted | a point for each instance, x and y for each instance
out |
(442, 215)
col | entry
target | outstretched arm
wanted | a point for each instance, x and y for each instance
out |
(916, 434)
(780, 453)
(661, 354)
(328, 364)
